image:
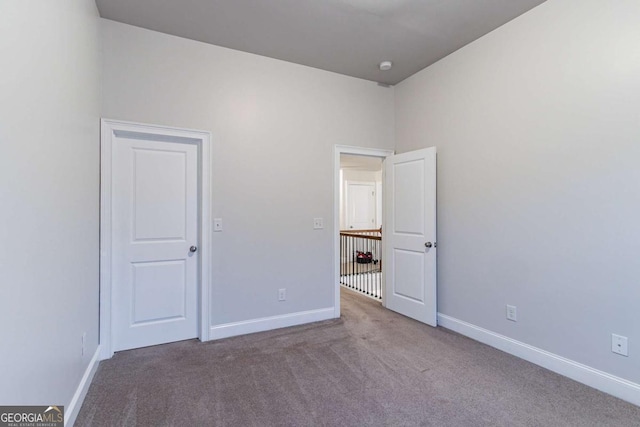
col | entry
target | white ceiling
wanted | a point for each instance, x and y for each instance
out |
(345, 36)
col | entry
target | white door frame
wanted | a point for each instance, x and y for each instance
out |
(110, 129)
(338, 150)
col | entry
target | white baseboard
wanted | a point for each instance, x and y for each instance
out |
(72, 410)
(267, 323)
(616, 386)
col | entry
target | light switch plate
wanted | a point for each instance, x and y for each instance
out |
(318, 223)
(217, 224)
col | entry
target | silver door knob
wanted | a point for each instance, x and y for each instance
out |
(193, 248)
(428, 245)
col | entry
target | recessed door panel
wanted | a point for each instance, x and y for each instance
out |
(408, 202)
(409, 274)
(159, 194)
(159, 291)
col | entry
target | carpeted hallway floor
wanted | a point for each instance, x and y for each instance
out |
(372, 367)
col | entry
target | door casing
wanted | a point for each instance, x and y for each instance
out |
(110, 130)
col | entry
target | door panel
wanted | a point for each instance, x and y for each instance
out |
(408, 202)
(159, 291)
(155, 221)
(159, 214)
(410, 223)
(408, 274)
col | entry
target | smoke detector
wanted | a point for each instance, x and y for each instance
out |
(385, 65)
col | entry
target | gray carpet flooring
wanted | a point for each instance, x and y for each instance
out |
(372, 367)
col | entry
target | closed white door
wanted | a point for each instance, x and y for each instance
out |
(361, 206)
(155, 258)
(410, 235)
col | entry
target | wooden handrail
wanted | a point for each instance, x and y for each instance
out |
(362, 236)
(369, 230)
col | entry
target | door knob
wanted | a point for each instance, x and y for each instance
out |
(428, 245)
(193, 248)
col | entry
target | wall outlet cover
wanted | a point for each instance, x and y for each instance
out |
(318, 223)
(620, 345)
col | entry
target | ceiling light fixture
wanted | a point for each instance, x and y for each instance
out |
(386, 65)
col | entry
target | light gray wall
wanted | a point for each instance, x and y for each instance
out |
(49, 170)
(538, 132)
(274, 125)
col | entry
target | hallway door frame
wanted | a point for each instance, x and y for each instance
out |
(358, 151)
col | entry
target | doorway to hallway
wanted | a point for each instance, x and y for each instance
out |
(408, 279)
(358, 217)
(361, 224)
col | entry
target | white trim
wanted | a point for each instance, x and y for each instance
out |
(268, 323)
(73, 409)
(616, 386)
(108, 129)
(338, 150)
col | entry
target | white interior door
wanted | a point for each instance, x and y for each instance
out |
(361, 205)
(410, 234)
(155, 236)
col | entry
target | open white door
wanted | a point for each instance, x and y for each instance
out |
(410, 234)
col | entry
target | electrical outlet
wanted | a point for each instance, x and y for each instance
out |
(282, 294)
(620, 345)
(512, 313)
(318, 223)
(84, 339)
